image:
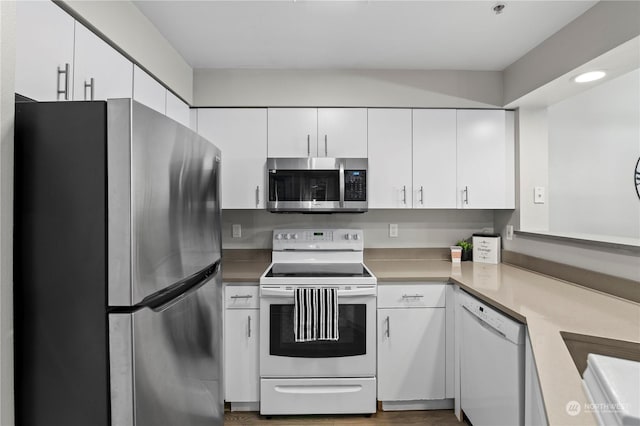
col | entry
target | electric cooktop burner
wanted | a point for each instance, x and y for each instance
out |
(318, 270)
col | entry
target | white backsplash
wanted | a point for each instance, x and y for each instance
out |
(416, 228)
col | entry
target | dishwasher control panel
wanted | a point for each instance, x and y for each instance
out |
(509, 328)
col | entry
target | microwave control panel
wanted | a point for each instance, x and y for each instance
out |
(355, 185)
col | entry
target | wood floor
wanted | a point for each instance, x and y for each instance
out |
(390, 418)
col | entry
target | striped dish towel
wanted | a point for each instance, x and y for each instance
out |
(315, 314)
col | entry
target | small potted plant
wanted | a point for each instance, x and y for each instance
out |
(467, 252)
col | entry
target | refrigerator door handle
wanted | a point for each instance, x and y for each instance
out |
(162, 301)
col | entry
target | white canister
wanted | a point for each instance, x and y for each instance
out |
(486, 248)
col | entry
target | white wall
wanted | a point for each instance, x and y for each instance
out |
(416, 228)
(600, 29)
(123, 23)
(371, 88)
(594, 143)
(614, 262)
(7, 113)
(534, 170)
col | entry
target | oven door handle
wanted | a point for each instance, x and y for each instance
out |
(280, 292)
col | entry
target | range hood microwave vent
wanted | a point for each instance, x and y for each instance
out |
(317, 185)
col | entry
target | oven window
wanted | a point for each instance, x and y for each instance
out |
(305, 185)
(352, 321)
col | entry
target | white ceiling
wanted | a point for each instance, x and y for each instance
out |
(303, 34)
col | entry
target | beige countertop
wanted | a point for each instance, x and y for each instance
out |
(548, 306)
(243, 270)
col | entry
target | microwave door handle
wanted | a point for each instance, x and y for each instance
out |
(341, 184)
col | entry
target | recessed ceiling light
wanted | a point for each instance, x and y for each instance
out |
(589, 76)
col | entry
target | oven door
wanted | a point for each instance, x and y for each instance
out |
(352, 355)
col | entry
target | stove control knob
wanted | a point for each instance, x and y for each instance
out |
(295, 236)
(356, 237)
(287, 236)
(347, 237)
(278, 236)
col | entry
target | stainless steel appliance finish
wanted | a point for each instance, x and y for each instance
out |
(317, 185)
(163, 221)
(321, 376)
(171, 347)
(118, 284)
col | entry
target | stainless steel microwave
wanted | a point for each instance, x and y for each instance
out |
(317, 185)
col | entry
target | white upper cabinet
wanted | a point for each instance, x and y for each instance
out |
(293, 132)
(485, 153)
(342, 132)
(434, 158)
(100, 72)
(178, 110)
(318, 132)
(241, 135)
(148, 91)
(44, 51)
(389, 175)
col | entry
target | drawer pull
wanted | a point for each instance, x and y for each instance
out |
(246, 296)
(412, 296)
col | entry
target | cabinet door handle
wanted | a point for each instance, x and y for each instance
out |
(308, 145)
(91, 86)
(64, 91)
(257, 195)
(245, 296)
(404, 194)
(466, 195)
(412, 296)
(325, 146)
(248, 325)
(388, 327)
(422, 195)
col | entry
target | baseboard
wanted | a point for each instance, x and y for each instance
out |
(432, 404)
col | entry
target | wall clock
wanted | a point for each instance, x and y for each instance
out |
(637, 177)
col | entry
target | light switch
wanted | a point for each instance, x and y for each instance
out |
(393, 230)
(539, 195)
(236, 230)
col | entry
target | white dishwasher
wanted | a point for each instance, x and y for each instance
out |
(491, 365)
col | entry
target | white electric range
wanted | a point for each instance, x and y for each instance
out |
(318, 377)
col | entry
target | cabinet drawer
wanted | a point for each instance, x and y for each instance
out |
(242, 297)
(411, 295)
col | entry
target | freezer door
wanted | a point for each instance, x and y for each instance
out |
(164, 205)
(166, 364)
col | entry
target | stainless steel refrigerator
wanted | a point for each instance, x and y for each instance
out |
(117, 288)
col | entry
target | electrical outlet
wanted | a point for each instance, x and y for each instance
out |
(236, 230)
(393, 230)
(539, 195)
(509, 232)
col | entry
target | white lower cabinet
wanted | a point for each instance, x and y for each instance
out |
(241, 351)
(412, 346)
(534, 411)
